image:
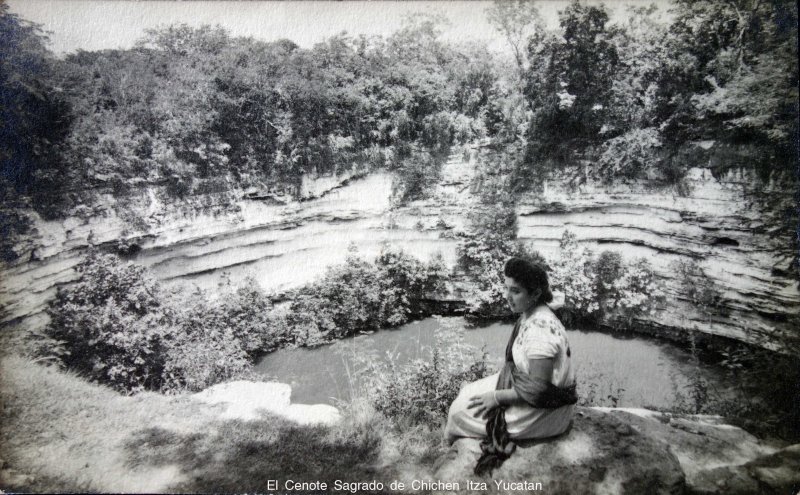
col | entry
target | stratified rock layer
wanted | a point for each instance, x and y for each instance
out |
(719, 223)
(723, 224)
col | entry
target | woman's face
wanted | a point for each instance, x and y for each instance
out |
(518, 297)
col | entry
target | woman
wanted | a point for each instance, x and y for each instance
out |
(534, 395)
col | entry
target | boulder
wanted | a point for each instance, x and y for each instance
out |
(704, 445)
(248, 401)
(776, 473)
(638, 451)
(600, 453)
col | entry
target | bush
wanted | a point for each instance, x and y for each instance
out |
(630, 156)
(421, 391)
(362, 296)
(572, 274)
(763, 397)
(624, 291)
(256, 324)
(482, 256)
(113, 324)
(204, 349)
(415, 176)
(605, 288)
(117, 326)
(698, 288)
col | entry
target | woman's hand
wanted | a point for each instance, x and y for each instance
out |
(484, 402)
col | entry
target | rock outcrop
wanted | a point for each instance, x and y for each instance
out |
(635, 451)
(715, 222)
(247, 401)
(722, 224)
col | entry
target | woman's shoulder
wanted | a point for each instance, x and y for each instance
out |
(543, 320)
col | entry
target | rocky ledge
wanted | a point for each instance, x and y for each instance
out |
(724, 225)
(635, 451)
(245, 400)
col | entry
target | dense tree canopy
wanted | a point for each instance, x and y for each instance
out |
(194, 111)
(721, 71)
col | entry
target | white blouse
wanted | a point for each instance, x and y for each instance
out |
(542, 336)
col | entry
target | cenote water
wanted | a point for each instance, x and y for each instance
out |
(611, 370)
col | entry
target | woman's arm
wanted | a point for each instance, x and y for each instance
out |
(538, 368)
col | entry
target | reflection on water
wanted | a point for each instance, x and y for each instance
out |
(639, 372)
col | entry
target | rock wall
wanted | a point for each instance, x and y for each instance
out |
(715, 222)
(279, 245)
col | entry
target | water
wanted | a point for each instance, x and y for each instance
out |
(637, 372)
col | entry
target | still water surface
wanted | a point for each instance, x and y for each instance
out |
(638, 371)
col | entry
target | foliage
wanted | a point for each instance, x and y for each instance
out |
(420, 392)
(604, 288)
(118, 326)
(362, 296)
(415, 175)
(255, 323)
(203, 350)
(764, 386)
(191, 112)
(634, 291)
(698, 288)
(113, 324)
(572, 273)
(32, 124)
(483, 253)
(737, 78)
(14, 223)
(629, 156)
(623, 100)
(569, 84)
(516, 20)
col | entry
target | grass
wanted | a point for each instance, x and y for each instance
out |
(68, 435)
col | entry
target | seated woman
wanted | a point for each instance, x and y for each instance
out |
(534, 395)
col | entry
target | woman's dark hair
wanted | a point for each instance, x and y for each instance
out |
(529, 275)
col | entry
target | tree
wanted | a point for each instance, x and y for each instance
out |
(569, 87)
(33, 116)
(732, 74)
(517, 20)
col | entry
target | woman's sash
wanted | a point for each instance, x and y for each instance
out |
(538, 393)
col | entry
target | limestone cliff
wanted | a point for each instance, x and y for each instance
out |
(282, 244)
(720, 223)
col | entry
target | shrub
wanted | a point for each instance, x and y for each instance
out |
(572, 274)
(605, 288)
(482, 256)
(204, 350)
(255, 323)
(624, 291)
(119, 327)
(608, 271)
(360, 295)
(698, 288)
(629, 156)
(421, 391)
(113, 324)
(415, 175)
(764, 385)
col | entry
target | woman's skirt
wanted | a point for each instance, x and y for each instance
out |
(523, 421)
